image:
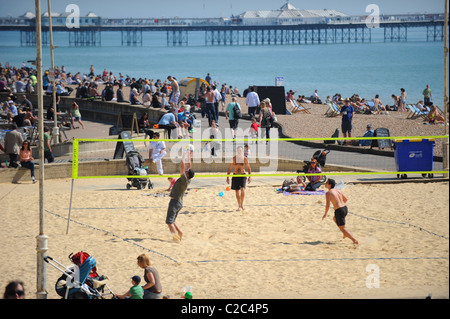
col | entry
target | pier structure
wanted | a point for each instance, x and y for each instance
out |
(220, 31)
(285, 35)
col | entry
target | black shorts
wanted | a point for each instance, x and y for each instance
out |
(173, 210)
(346, 127)
(238, 182)
(233, 124)
(340, 214)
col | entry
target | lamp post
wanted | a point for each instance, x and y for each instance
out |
(41, 239)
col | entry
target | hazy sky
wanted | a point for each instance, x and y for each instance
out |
(214, 8)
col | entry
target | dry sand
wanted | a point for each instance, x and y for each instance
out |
(277, 248)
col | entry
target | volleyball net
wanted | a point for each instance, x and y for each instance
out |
(399, 156)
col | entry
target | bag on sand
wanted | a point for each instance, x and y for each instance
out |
(335, 134)
(290, 185)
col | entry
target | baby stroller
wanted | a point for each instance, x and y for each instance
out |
(80, 280)
(134, 164)
(321, 157)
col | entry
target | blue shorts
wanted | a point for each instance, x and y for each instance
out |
(346, 127)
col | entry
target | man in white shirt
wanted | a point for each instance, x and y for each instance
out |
(316, 95)
(252, 101)
(217, 98)
(20, 86)
(156, 153)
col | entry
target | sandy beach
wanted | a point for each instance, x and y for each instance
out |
(277, 248)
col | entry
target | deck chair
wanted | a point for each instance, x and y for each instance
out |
(411, 111)
(295, 107)
(333, 110)
(420, 113)
(416, 112)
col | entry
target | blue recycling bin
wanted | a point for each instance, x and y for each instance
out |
(414, 155)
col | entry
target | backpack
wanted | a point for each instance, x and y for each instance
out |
(237, 112)
(335, 134)
(267, 119)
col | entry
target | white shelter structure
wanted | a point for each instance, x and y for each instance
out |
(290, 15)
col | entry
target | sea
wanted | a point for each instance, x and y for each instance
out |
(365, 69)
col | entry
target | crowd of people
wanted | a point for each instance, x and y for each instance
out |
(362, 105)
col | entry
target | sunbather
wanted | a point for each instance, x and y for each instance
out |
(434, 117)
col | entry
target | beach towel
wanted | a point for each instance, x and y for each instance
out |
(302, 192)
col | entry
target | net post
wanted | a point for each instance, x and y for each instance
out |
(74, 176)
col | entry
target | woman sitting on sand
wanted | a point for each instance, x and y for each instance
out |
(434, 117)
(152, 287)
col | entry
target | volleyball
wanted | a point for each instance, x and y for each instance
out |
(190, 148)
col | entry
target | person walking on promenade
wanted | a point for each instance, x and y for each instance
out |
(231, 116)
(76, 115)
(156, 153)
(13, 142)
(252, 101)
(48, 154)
(338, 199)
(238, 183)
(266, 119)
(210, 110)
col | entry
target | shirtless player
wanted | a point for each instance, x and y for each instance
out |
(173, 101)
(240, 163)
(338, 199)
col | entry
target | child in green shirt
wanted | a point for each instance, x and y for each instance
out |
(135, 292)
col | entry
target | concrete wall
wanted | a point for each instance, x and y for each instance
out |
(118, 167)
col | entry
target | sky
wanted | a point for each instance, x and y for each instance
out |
(215, 8)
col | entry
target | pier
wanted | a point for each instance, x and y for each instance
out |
(219, 32)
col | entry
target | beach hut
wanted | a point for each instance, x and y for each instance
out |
(190, 85)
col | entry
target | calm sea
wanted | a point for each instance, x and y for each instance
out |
(365, 68)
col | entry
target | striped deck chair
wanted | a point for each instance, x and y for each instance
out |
(416, 112)
(295, 107)
(411, 111)
(333, 109)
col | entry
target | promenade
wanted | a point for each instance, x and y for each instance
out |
(341, 158)
(344, 158)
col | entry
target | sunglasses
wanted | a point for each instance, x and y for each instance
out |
(15, 293)
(19, 292)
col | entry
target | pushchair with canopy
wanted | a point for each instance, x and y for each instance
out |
(80, 280)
